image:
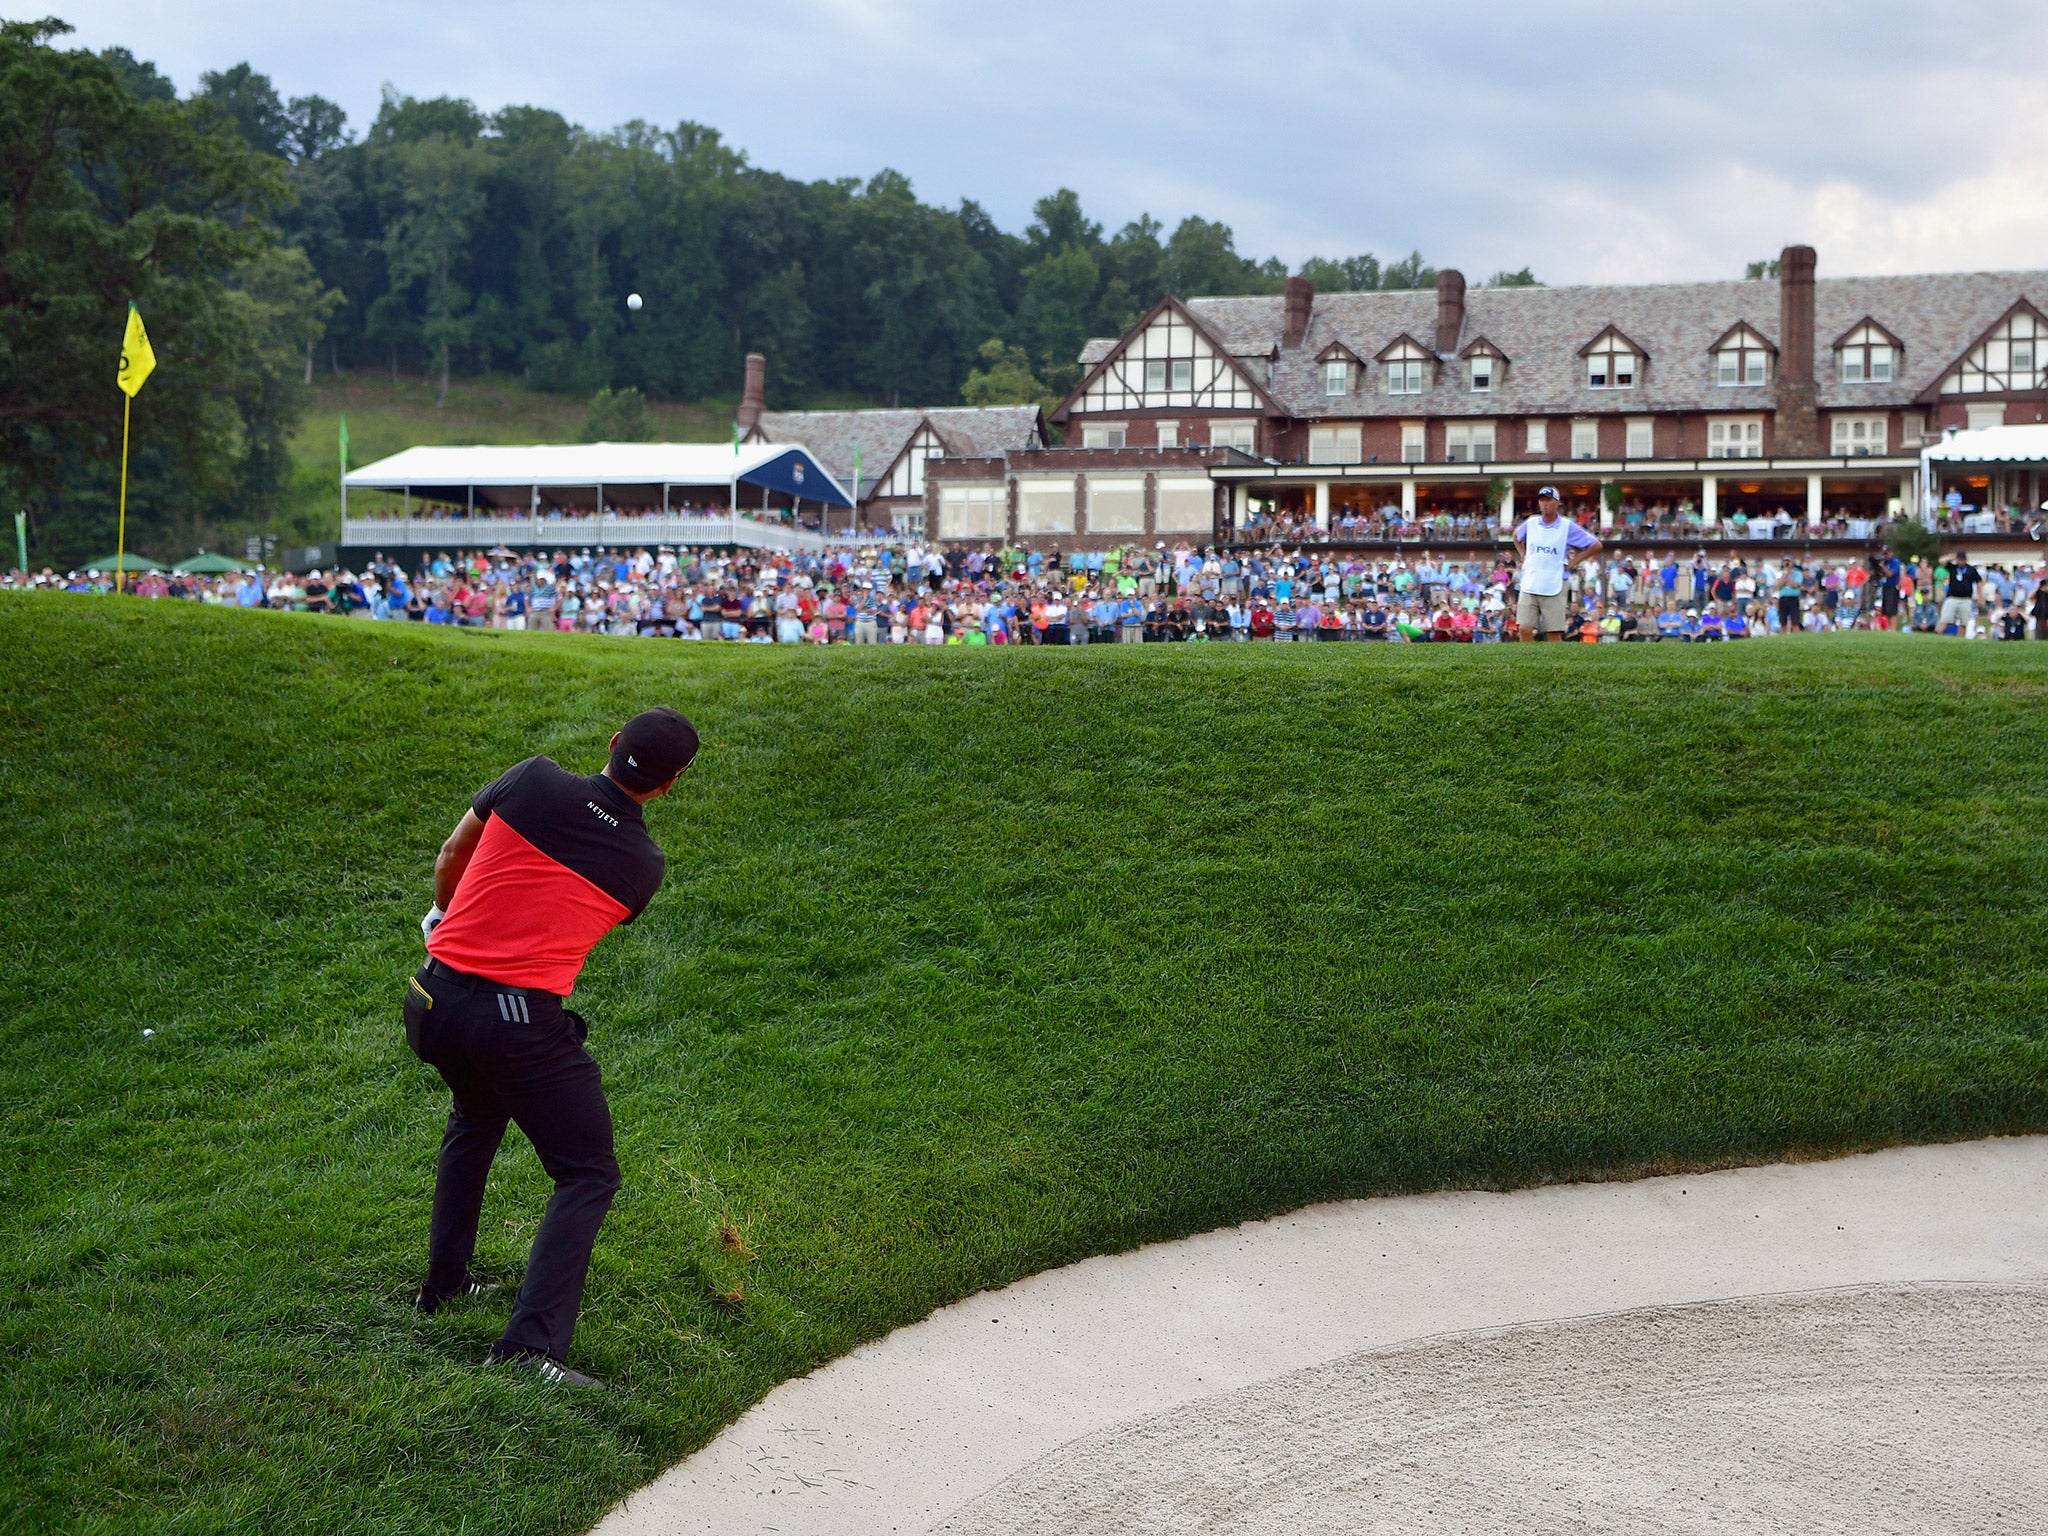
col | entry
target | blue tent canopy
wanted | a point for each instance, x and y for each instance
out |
(796, 473)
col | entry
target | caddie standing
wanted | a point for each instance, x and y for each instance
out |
(543, 864)
(1552, 547)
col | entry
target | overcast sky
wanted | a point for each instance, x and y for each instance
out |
(1591, 139)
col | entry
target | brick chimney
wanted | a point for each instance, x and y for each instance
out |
(1300, 299)
(1450, 309)
(1798, 419)
(755, 397)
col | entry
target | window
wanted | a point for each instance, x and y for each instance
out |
(1045, 504)
(1611, 363)
(973, 512)
(1241, 435)
(1169, 434)
(1859, 436)
(1411, 442)
(1982, 416)
(1102, 435)
(1912, 430)
(1155, 376)
(1538, 444)
(1741, 358)
(1585, 439)
(1469, 442)
(1868, 355)
(1407, 366)
(1480, 372)
(1642, 438)
(1186, 504)
(1735, 437)
(1183, 373)
(1336, 377)
(1333, 445)
(1116, 504)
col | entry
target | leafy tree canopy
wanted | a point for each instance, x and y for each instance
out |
(263, 238)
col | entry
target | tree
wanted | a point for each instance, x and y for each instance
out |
(1005, 378)
(616, 417)
(1505, 279)
(108, 196)
(1411, 271)
(1911, 539)
(1759, 270)
(1059, 292)
(1351, 274)
(249, 103)
(436, 197)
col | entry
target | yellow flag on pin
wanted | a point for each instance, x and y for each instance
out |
(138, 360)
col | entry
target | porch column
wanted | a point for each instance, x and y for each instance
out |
(1507, 509)
(1812, 500)
(1710, 501)
(1606, 512)
(1407, 500)
(1322, 504)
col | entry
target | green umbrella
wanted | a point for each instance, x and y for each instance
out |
(203, 564)
(130, 562)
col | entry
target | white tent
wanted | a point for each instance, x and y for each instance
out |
(2015, 460)
(636, 474)
(2023, 444)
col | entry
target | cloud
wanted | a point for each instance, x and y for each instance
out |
(1593, 139)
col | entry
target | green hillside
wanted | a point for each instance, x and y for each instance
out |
(386, 415)
(969, 963)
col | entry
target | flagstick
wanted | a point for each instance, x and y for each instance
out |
(121, 535)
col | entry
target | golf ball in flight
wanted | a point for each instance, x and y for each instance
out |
(632, 301)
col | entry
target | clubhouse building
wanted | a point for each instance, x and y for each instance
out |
(1813, 396)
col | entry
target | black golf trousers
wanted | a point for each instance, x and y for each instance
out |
(511, 1054)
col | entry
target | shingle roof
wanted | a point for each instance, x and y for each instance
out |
(968, 431)
(1935, 316)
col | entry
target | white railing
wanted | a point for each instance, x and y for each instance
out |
(580, 532)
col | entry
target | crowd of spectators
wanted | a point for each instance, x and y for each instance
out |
(916, 594)
(1660, 520)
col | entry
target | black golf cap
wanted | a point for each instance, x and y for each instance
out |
(654, 746)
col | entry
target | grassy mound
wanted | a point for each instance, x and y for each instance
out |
(969, 963)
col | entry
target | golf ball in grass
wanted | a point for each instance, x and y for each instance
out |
(147, 1033)
(632, 301)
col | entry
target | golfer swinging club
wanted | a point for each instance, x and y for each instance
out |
(542, 865)
(1551, 546)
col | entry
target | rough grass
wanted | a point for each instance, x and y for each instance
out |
(969, 963)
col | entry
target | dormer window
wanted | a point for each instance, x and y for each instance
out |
(1407, 364)
(1484, 365)
(1742, 358)
(1612, 361)
(1868, 354)
(1336, 377)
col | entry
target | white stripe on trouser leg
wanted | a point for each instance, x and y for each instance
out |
(525, 1015)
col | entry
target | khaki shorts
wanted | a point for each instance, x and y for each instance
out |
(1957, 611)
(1537, 614)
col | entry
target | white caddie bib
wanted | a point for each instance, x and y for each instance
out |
(1544, 553)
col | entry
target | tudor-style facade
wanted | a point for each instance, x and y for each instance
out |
(1419, 399)
(881, 456)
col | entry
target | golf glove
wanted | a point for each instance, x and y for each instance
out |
(431, 921)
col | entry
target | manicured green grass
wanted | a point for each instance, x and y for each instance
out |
(969, 963)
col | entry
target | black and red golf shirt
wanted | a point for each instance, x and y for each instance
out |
(563, 860)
